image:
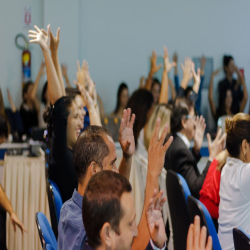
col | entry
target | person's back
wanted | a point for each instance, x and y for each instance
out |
(234, 187)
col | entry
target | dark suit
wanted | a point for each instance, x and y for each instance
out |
(87, 247)
(184, 161)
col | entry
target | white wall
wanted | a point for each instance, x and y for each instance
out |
(11, 16)
(117, 37)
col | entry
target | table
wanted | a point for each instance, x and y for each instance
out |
(25, 186)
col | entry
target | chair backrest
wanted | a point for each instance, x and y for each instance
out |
(55, 204)
(195, 207)
(45, 231)
(177, 193)
(241, 239)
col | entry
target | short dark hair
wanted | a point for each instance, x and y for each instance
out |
(102, 203)
(72, 92)
(226, 61)
(25, 89)
(180, 110)
(237, 129)
(140, 103)
(155, 81)
(90, 146)
(3, 127)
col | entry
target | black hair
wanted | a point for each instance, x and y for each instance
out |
(180, 110)
(47, 114)
(122, 86)
(155, 81)
(188, 90)
(72, 92)
(90, 147)
(102, 204)
(25, 89)
(3, 127)
(226, 61)
(140, 103)
(45, 87)
(221, 110)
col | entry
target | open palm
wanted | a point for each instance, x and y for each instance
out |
(126, 134)
(39, 37)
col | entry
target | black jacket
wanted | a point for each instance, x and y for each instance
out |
(184, 161)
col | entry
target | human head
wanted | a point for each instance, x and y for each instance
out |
(76, 95)
(142, 104)
(122, 97)
(3, 130)
(188, 90)
(238, 136)
(45, 94)
(108, 212)
(228, 65)
(226, 101)
(94, 151)
(164, 112)
(183, 118)
(26, 93)
(155, 89)
(73, 121)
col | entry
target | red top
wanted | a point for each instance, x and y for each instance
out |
(211, 185)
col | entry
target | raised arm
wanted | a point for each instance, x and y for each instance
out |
(65, 74)
(153, 69)
(187, 72)
(172, 90)
(164, 83)
(210, 93)
(54, 44)
(197, 79)
(54, 86)
(35, 87)
(12, 104)
(156, 157)
(245, 95)
(176, 77)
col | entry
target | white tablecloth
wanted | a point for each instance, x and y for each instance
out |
(25, 186)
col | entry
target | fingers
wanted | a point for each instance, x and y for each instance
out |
(162, 202)
(209, 243)
(158, 200)
(128, 116)
(32, 36)
(168, 143)
(198, 72)
(203, 237)
(14, 226)
(163, 135)
(159, 66)
(58, 33)
(190, 237)
(196, 232)
(33, 41)
(223, 139)
(44, 32)
(34, 32)
(48, 31)
(131, 124)
(218, 134)
(38, 30)
(157, 129)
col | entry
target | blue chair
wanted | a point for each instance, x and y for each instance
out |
(241, 239)
(47, 237)
(197, 208)
(178, 192)
(55, 205)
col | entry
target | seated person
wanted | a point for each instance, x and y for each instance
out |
(108, 214)
(234, 186)
(229, 82)
(209, 194)
(100, 154)
(179, 158)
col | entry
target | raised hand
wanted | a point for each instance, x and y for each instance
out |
(167, 65)
(155, 221)
(39, 37)
(200, 126)
(64, 70)
(154, 66)
(196, 77)
(217, 145)
(126, 134)
(175, 58)
(54, 41)
(16, 222)
(157, 149)
(81, 75)
(86, 96)
(187, 72)
(203, 61)
(196, 239)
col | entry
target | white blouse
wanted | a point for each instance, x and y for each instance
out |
(234, 208)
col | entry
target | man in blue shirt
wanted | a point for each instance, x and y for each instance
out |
(99, 154)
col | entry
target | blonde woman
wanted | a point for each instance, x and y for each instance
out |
(164, 112)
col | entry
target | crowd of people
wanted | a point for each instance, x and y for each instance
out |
(98, 209)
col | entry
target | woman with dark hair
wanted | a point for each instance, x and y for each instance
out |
(234, 185)
(30, 107)
(122, 100)
(235, 85)
(44, 104)
(62, 117)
